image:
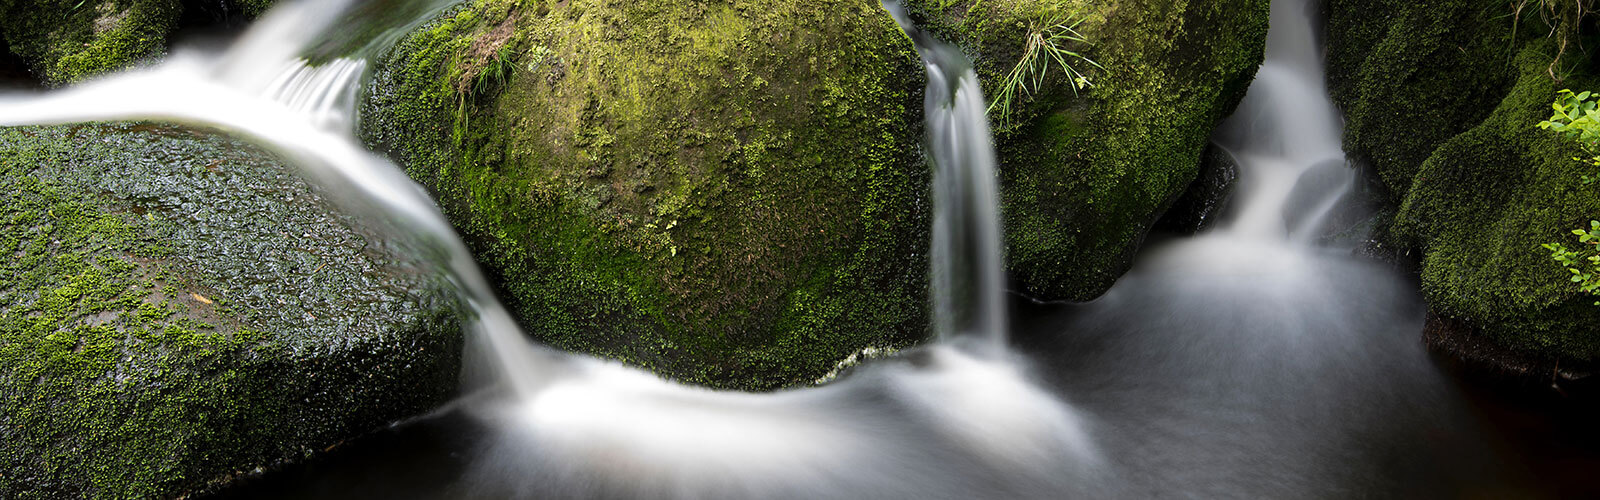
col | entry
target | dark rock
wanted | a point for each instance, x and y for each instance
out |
(66, 41)
(1207, 197)
(1323, 183)
(1482, 358)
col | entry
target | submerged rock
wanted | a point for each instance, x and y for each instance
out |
(731, 194)
(176, 308)
(1442, 100)
(1084, 177)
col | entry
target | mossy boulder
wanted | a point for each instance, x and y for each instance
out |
(727, 193)
(176, 308)
(66, 41)
(1411, 75)
(1442, 102)
(1085, 175)
(732, 194)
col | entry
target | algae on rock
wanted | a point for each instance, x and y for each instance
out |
(176, 309)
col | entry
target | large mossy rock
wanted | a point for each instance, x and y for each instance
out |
(729, 193)
(1083, 178)
(177, 308)
(1442, 101)
(732, 193)
(69, 40)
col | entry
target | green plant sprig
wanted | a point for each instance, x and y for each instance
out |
(1584, 266)
(1577, 117)
(1046, 42)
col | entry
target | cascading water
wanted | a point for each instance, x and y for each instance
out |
(1241, 363)
(957, 421)
(968, 277)
(324, 94)
(306, 123)
(1247, 362)
(1286, 137)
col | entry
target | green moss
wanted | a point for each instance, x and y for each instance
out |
(67, 41)
(727, 194)
(1481, 205)
(1442, 101)
(1412, 75)
(137, 362)
(1084, 178)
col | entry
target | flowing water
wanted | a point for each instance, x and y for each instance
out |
(950, 419)
(967, 275)
(1244, 362)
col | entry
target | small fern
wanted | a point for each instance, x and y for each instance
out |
(1046, 44)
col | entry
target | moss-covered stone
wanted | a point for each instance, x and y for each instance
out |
(1411, 75)
(1481, 205)
(1084, 178)
(728, 193)
(253, 8)
(176, 308)
(66, 41)
(1442, 102)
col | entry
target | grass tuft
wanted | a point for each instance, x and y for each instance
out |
(1046, 42)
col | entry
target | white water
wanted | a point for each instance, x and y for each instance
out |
(1286, 137)
(968, 274)
(584, 427)
(1244, 363)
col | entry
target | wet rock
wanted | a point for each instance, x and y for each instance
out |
(177, 308)
(1483, 358)
(1207, 198)
(1315, 194)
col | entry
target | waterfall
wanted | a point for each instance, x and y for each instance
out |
(325, 94)
(1241, 363)
(968, 275)
(1286, 136)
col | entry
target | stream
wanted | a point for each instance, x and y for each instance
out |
(1254, 360)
